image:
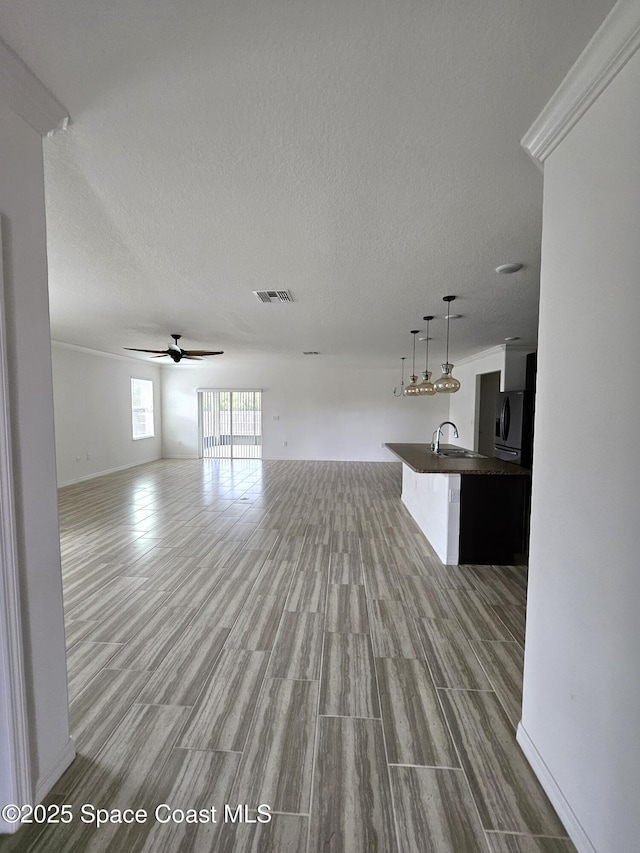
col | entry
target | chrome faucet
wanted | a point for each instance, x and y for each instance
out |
(437, 434)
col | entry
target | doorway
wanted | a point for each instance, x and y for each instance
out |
(230, 424)
(489, 390)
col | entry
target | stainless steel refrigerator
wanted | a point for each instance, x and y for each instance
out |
(513, 440)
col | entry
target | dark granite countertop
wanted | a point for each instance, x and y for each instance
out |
(420, 459)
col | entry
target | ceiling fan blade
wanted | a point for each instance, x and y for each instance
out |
(135, 349)
(192, 357)
(162, 355)
(205, 352)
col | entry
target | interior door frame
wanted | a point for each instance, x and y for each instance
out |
(14, 730)
(226, 391)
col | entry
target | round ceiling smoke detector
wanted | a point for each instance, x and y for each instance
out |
(508, 269)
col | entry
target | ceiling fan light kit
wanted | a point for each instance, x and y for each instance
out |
(175, 351)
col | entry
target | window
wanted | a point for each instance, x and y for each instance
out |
(142, 408)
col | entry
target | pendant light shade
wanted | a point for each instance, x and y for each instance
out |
(447, 383)
(412, 389)
(425, 388)
(402, 360)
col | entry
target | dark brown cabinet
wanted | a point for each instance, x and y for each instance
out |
(494, 514)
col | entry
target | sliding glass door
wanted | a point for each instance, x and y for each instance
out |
(230, 424)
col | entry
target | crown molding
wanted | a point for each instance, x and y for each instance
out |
(132, 359)
(28, 97)
(499, 349)
(142, 359)
(600, 62)
(510, 346)
(101, 353)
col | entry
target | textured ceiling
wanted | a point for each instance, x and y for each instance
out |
(363, 154)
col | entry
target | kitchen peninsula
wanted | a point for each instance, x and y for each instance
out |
(471, 508)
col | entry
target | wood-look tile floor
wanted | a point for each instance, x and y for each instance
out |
(281, 633)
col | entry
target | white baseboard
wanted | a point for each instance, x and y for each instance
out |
(175, 456)
(46, 782)
(551, 788)
(8, 828)
(108, 471)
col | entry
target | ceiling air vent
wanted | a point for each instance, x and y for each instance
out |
(311, 352)
(273, 295)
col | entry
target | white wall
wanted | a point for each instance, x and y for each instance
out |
(465, 404)
(464, 410)
(515, 367)
(581, 710)
(324, 412)
(92, 403)
(29, 365)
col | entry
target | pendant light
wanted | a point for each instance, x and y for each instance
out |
(425, 388)
(402, 360)
(447, 384)
(412, 389)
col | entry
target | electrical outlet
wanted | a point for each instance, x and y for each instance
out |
(77, 458)
(284, 443)
(276, 417)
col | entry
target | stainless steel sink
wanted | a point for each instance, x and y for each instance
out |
(460, 454)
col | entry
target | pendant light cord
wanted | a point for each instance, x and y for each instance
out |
(414, 354)
(448, 300)
(401, 379)
(426, 361)
(448, 318)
